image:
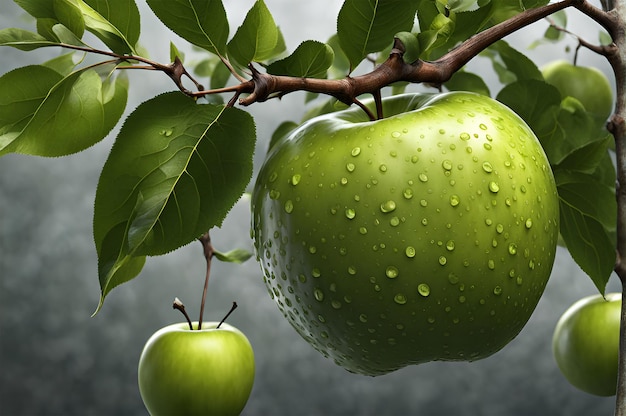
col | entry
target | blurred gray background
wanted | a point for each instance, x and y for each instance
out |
(57, 360)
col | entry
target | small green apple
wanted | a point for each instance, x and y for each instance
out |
(427, 235)
(587, 84)
(586, 343)
(196, 372)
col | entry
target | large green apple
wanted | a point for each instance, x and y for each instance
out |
(586, 343)
(587, 84)
(427, 235)
(196, 372)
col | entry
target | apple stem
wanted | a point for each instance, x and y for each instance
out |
(179, 305)
(228, 314)
(205, 240)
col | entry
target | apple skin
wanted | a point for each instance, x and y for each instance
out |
(199, 372)
(427, 235)
(586, 343)
(587, 84)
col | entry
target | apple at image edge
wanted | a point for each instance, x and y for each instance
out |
(199, 372)
(586, 343)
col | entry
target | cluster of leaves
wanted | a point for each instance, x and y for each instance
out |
(175, 170)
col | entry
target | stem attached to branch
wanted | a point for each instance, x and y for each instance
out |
(205, 239)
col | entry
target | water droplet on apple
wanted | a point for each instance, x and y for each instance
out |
(388, 206)
(423, 202)
(363, 318)
(362, 230)
(423, 177)
(274, 194)
(423, 289)
(450, 245)
(350, 213)
(454, 200)
(295, 179)
(382, 168)
(453, 279)
(392, 272)
(497, 290)
(356, 151)
(288, 206)
(512, 248)
(494, 187)
(319, 295)
(410, 251)
(446, 164)
(400, 299)
(529, 223)
(407, 193)
(443, 260)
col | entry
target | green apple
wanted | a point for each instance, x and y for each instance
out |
(586, 343)
(427, 235)
(587, 84)
(196, 372)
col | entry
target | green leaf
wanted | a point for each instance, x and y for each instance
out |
(538, 104)
(65, 36)
(559, 19)
(37, 8)
(122, 14)
(43, 113)
(23, 39)
(78, 15)
(220, 76)
(174, 172)
(437, 35)
(366, 26)
(256, 38)
(341, 66)
(510, 64)
(234, 256)
(105, 30)
(588, 211)
(200, 22)
(411, 45)
(466, 81)
(310, 60)
(505, 9)
(587, 157)
(69, 16)
(63, 64)
(175, 53)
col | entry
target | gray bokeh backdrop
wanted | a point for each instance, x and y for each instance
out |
(57, 360)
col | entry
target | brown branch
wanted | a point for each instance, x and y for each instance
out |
(395, 69)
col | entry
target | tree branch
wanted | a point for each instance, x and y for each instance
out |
(394, 69)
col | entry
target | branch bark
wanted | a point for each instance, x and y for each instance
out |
(617, 127)
(264, 86)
